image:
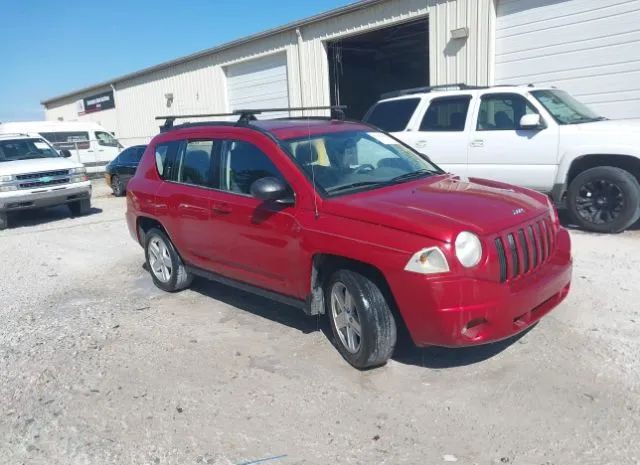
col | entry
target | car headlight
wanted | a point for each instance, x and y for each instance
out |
(428, 261)
(81, 178)
(468, 249)
(6, 178)
(82, 170)
(8, 188)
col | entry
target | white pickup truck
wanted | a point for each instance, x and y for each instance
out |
(35, 175)
(536, 137)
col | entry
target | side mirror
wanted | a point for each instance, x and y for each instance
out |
(531, 121)
(271, 189)
(65, 153)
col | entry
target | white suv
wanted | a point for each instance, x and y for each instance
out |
(34, 175)
(536, 137)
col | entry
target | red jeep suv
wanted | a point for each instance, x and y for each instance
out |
(340, 218)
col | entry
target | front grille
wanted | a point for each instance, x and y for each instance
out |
(53, 182)
(50, 174)
(524, 250)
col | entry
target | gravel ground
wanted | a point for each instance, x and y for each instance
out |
(98, 367)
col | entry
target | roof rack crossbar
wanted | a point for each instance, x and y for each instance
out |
(248, 115)
(426, 89)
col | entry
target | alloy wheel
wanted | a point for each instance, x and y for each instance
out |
(599, 201)
(345, 317)
(160, 259)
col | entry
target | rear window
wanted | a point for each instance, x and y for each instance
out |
(446, 114)
(392, 116)
(68, 140)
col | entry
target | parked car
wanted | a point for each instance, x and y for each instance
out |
(339, 218)
(122, 168)
(536, 137)
(35, 175)
(89, 143)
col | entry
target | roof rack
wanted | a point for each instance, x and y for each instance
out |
(13, 134)
(420, 90)
(246, 116)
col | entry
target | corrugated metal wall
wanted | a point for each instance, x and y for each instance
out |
(199, 86)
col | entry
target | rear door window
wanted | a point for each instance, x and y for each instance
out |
(447, 114)
(68, 140)
(392, 116)
(196, 166)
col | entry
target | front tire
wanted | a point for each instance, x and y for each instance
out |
(163, 262)
(117, 187)
(80, 207)
(604, 199)
(362, 323)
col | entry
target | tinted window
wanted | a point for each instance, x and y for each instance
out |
(68, 140)
(243, 164)
(392, 116)
(138, 154)
(502, 112)
(165, 158)
(196, 164)
(124, 157)
(446, 114)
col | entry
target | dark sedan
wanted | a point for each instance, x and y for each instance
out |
(122, 168)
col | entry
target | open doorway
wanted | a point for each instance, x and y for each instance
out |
(364, 66)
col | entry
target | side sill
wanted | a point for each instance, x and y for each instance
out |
(283, 299)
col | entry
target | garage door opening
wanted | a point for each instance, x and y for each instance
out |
(364, 66)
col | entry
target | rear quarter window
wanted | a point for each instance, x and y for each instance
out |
(165, 157)
(392, 116)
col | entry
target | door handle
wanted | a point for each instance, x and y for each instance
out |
(221, 208)
(421, 144)
(477, 143)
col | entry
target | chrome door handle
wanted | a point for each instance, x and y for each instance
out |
(477, 143)
(421, 144)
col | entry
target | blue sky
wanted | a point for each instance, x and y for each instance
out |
(51, 47)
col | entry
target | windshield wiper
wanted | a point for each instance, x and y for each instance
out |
(588, 120)
(413, 175)
(355, 185)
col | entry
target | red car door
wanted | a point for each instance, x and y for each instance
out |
(257, 243)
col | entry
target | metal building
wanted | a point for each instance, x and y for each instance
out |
(353, 54)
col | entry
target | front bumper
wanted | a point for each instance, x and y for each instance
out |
(41, 198)
(452, 312)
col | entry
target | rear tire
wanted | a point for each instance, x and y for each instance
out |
(4, 221)
(604, 199)
(362, 323)
(80, 207)
(117, 187)
(164, 264)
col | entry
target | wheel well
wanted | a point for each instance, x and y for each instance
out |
(625, 162)
(144, 225)
(324, 265)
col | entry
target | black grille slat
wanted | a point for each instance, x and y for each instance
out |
(543, 242)
(515, 268)
(525, 251)
(54, 182)
(534, 246)
(23, 177)
(502, 259)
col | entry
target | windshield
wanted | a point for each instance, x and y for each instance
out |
(25, 149)
(564, 108)
(106, 139)
(351, 161)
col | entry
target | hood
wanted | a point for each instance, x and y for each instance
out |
(36, 165)
(441, 206)
(611, 126)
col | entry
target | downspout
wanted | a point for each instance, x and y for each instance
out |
(115, 105)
